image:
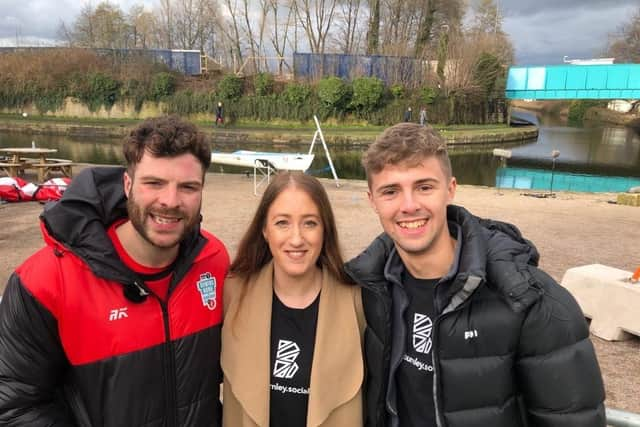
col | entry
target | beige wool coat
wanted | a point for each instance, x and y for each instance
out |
(335, 392)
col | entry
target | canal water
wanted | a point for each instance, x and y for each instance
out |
(601, 151)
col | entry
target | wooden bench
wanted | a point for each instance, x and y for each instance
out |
(45, 170)
(12, 169)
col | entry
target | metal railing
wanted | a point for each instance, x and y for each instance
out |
(618, 418)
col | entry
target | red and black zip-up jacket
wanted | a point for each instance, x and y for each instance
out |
(80, 342)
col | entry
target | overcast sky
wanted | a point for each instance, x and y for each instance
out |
(542, 31)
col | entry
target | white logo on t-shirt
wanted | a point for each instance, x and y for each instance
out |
(285, 365)
(422, 327)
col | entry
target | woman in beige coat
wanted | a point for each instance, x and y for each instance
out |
(293, 327)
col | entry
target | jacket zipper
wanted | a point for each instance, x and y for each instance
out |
(382, 399)
(170, 370)
(434, 360)
(396, 364)
(436, 363)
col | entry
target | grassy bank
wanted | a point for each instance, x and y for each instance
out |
(278, 132)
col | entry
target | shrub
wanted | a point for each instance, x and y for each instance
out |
(230, 87)
(135, 91)
(162, 85)
(578, 108)
(428, 95)
(334, 94)
(263, 83)
(187, 102)
(367, 94)
(397, 91)
(98, 89)
(296, 95)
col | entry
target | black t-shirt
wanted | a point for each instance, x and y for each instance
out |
(293, 333)
(414, 378)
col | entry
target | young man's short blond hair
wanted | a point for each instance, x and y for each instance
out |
(407, 144)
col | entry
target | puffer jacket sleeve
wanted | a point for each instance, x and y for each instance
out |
(557, 369)
(32, 362)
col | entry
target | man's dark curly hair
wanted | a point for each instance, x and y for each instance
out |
(167, 136)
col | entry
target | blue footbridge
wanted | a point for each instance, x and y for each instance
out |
(611, 81)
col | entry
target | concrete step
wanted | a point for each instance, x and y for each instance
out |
(608, 297)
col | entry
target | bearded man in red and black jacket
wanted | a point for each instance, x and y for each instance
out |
(116, 321)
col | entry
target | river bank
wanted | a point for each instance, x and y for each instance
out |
(260, 133)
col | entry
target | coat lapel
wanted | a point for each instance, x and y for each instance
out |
(337, 372)
(246, 354)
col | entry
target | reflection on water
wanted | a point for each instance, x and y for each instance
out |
(612, 151)
(539, 179)
(103, 151)
(597, 150)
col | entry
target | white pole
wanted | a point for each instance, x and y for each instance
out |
(326, 150)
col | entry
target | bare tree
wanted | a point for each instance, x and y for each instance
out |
(280, 37)
(82, 33)
(398, 34)
(142, 26)
(316, 18)
(487, 27)
(231, 30)
(255, 40)
(102, 27)
(347, 37)
(373, 34)
(166, 23)
(194, 24)
(625, 44)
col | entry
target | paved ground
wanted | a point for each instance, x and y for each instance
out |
(569, 230)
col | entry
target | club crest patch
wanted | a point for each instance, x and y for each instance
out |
(207, 288)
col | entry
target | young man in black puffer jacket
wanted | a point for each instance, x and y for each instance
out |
(463, 329)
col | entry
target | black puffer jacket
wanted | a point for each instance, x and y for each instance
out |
(511, 347)
(80, 345)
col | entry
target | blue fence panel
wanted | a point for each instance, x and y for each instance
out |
(184, 61)
(390, 69)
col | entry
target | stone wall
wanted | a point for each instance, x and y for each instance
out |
(73, 107)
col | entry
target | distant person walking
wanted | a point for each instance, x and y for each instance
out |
(219, 114)
(423, 116)
(407, 115)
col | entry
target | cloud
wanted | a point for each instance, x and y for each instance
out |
(37, 18)
(526, 8)
(546, 35)
(41, 19)
(542, 31)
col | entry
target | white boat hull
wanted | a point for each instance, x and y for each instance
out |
(278, 161)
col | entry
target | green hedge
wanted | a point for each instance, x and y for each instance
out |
(363, 99)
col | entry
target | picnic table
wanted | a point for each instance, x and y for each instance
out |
(16, 163)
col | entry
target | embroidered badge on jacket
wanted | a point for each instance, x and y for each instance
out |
(207, 288)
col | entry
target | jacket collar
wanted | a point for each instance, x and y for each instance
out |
(381, 264)
(337, 373)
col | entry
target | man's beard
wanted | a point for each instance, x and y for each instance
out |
(138, 215)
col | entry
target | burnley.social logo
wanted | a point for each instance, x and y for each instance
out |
(422, 327)
(285, 365)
